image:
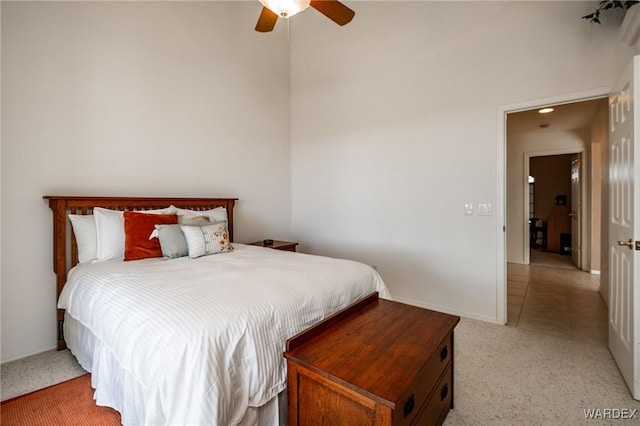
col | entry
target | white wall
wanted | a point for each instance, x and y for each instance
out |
(119, 98)
(394, 129)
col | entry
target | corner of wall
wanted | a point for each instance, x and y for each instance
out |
(630, 29)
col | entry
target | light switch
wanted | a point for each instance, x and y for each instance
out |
(468, 209)
(484, 209)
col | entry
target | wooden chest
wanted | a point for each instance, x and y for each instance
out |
(377, 362)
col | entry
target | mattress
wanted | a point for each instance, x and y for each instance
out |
(200, 341)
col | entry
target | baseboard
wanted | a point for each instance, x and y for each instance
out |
(595, 272)
(19, 357)
(445, 310)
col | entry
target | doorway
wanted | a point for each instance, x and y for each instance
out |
(511, 236)
(553, 214)
(539, 137)
(549, 194)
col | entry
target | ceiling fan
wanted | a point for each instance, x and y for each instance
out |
(274, 9)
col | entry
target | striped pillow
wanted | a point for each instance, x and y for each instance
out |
(207, 239)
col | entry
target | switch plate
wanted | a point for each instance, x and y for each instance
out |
(484, 209)
(468, 209)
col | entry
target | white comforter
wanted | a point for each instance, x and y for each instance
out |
(200, 340)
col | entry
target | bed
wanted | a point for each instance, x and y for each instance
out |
(192, 340)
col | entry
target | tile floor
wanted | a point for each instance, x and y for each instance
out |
(556, 299)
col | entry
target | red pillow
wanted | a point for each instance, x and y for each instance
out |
(137, 228)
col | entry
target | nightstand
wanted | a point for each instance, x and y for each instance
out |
(278, 245)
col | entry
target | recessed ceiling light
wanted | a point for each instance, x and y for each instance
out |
(545, 110)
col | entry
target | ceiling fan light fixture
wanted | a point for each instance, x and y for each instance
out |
(286, 8)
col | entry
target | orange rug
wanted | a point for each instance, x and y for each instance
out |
(67, 403)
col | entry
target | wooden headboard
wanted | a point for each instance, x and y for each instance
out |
(64, 242)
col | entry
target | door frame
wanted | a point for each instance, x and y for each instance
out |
(501, 180)
(527, 158)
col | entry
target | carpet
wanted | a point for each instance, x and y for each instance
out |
(507, 376)
(67, 403)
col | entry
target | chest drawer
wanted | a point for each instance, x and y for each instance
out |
(378, 363)
(413, 400)
(439, 403)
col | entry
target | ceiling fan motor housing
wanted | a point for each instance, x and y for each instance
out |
(286, 8)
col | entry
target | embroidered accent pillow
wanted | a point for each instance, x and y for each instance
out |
(204, 240)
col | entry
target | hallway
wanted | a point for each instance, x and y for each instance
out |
(556, 300)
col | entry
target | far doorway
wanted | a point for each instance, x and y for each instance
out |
(554, 213)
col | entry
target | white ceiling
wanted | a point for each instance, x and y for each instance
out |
(573, 116)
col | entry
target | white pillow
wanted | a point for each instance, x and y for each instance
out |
(84, 228)
(219, 214)
(203, 240)
(110, 231)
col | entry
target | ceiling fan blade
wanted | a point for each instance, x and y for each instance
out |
(266, 21)
(334, 10)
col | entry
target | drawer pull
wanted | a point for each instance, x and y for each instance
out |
(408, 406)
(444, 392)
(443, 353)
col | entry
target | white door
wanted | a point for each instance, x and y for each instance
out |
(576, 209)
(624, 188)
